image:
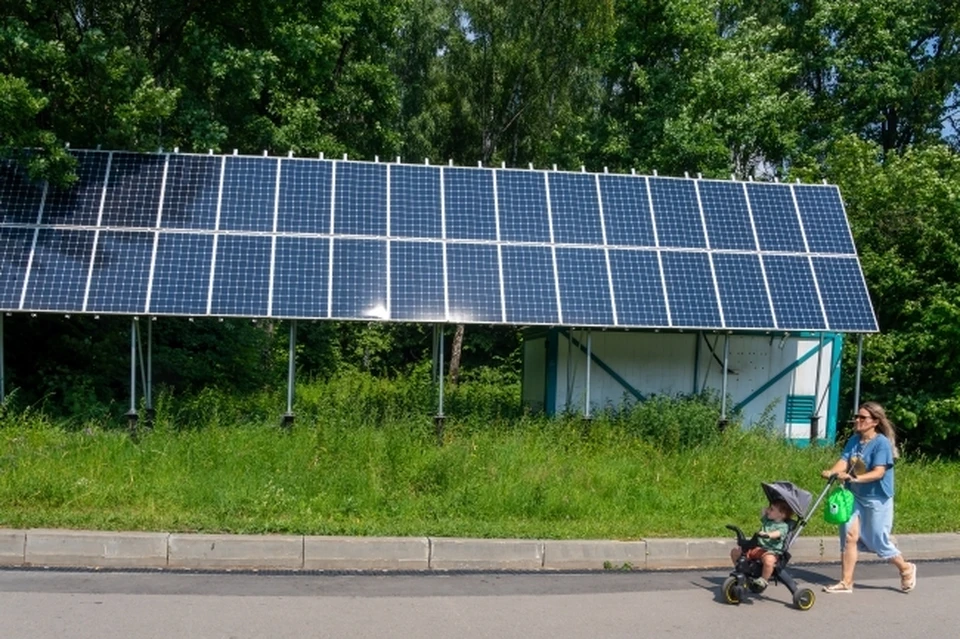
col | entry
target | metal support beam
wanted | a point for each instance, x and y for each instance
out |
(291, 373)
(815, 417)
(696, 361)
(586, 401)
(723, 386)
(439, 418)
(856, 385)
(149, 397)
(3, 380)
(132, 415)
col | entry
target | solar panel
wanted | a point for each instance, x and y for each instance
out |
(775, 217)
(726, 215)
(20, 198)
(676, 213)
(626, 210)
(794, 292)
(15, 246)
(584, 287)
(523, 206)
(416, 281)
(250, 236)
(575, 209)
(120, 273)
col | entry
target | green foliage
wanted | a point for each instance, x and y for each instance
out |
(864, 94)
(220, 465)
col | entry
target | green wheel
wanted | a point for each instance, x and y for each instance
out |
(731, 591)
(804, 599)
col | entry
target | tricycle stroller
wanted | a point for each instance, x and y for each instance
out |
(746, 571)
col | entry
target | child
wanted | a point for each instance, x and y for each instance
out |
(771, 538)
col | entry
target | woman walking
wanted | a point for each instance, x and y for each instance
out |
(866, 465)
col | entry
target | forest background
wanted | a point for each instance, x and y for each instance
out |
(865, 95)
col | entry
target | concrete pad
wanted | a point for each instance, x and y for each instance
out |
(86, 548)
(366, 553)
(12, 546)
(665, 554)
(930, 546)
(594, 555)
(235, 551)
(485, 554)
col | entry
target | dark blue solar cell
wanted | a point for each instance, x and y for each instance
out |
(121, 270)
(638, 289)
(78, 205)
(414, 201)
(775, 217)
(133, 190)
(726, 214)
(794, 293)
(473, 281)
(249, 194)
(181, 277)
(529, 285)
(301, 276)
(192, 192)
(576, 209)
(676, 213)
(305, 192)
(626, 211)
(361, 199)
(59, 271)
(584, 287)
(360, 279)
(20, 196)
(743, 293)
(690, 290)
(242, 276)
(14, 256)
(470, 210)
(823, 218)
(844, 294)
(416, 281)
(523, 206)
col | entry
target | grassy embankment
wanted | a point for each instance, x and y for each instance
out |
(362, 459)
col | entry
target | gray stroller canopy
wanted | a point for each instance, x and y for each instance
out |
(797, 498)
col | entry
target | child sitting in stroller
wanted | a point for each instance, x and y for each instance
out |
(764, 556)
(771, 540)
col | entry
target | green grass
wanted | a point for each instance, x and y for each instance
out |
(350, 466)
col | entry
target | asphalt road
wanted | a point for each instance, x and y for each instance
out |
(42, 604)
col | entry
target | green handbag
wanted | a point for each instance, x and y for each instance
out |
(839, 506)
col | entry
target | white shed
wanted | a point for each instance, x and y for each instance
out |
(787, 378)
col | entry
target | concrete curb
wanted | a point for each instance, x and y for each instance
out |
(97, 549)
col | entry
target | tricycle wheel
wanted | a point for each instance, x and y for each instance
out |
(804, 599)
(731, 590)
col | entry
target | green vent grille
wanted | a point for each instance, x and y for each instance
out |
(800, 408)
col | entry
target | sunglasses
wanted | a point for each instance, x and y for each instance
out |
(858, 418)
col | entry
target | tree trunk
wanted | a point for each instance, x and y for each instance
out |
(455, 355)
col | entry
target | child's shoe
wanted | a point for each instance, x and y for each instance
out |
(759, 585)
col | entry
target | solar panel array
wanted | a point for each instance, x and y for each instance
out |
(211, 235)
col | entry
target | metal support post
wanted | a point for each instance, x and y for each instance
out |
(856, 385)
(723, 386)
(586, 401)
(132, 415)
(439, 418)
(149, 398)
(815, 416)
(3, 381)
(291, 373)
